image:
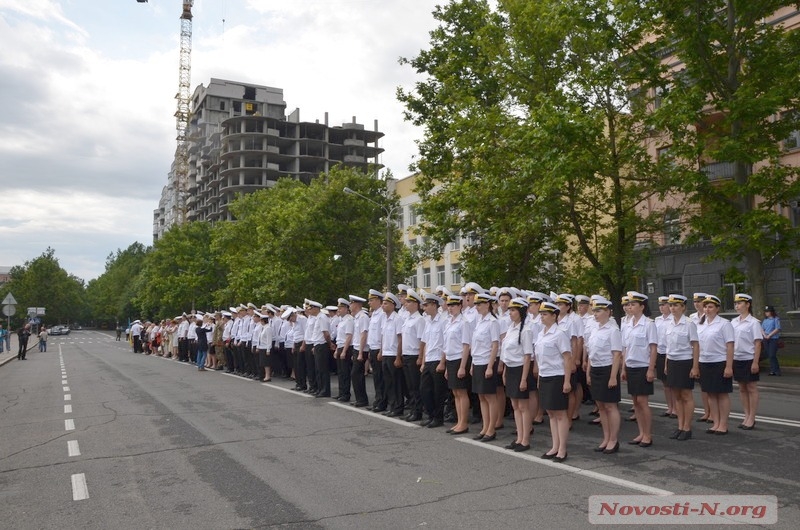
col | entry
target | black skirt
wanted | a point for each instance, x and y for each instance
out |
(480, 384)
(713, 380)
(513, 379)
(551, 395)
(660, 361)
(742, 373)
(601, 375)
(678, 374)
(638, 385)
(453, 382)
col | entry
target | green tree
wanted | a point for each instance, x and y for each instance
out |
(111, 294)
(179, 274)
(41, 282)
(725, 111)
(284, 244)
(533, 138)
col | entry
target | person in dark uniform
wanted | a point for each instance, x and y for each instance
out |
(23, 335)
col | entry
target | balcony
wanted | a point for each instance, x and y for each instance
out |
(716, 171)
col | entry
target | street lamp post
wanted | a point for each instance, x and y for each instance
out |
(389, 212)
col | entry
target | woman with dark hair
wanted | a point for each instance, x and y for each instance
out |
(661, 359)
(605, 368)
(746, 354)
(640, 339)
(771, 328)
(682, 367)
(457, 336)
(554, 359)
(483, 350)
(716, 363)
(515, 354)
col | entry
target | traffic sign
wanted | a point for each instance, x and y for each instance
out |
(9, 310)
(9, 300)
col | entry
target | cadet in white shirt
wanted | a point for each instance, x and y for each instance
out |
(716, 339)
(433, 385)
(360, 350)
(345, 331)
(682, 366)
(456, 341)
(390, 355)
(321, 339)
(570, 322)
(308, 348)
(746, 355)
(697, 299)
(484, 350)
(661, 360)
(374, 340)
(413, 327)
(516, 353)
(640, 339)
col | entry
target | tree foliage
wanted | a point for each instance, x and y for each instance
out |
(294, 241)
(41, 282)
(728, 105)
(111, 294)
(533, 138)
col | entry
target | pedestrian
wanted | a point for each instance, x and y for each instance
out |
(682, 367)
(716, 338)
(374, 341)
(119, 332)
(484, 350)
(345, 333)
(554, 358)
(456, 340)
(136, 336)
(203, 327)
(570, 322)
(433, 385)
(360, 350)
(3, 335)
(771, 328)
(412, 356)
(43, 339)
(603, 377)
(516, 353)
(23, 334)
(640, 340)
(661, 360)
(746, 355)
(390, 355)
(697, 300)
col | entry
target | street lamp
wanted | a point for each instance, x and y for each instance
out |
(389, 212)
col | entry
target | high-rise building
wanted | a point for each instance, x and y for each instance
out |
(242, 141)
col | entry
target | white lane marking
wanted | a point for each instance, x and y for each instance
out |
(374, 415)
(570, 469)
(69, 425)
(67, 409)
(66, 389)
(233, 375)
(59, 349)
(80, 490)
(73, 449)
(289, 390)
(734, 415)
(67, 397)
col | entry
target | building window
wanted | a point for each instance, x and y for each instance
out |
(457, 241)
(455, 274)
(412, 281)
(672, 227)
(426, 276)
(796, 285)
(412, 215)
(673, 286)
(440, 276)
(472, 239)
(412, 243)
(399, 219)
(793, 140)
(221, 105)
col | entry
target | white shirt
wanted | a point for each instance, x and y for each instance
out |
(679, 337)
(413, 328)
(551, 345)
(572, 324)
(604, 341)
(637, 338)
(299, 328)
(516, 347)
(308, 337)
(714, 336)
(392, 327)
(183, 329)
(433, 337)
(191, 333)
(486, 332)
(345, 328)
(264, 338)
(661, 326)
(457, 332)
(321, 324)
(746, 332)
(226, 331)
(360, 326)
(375, 329)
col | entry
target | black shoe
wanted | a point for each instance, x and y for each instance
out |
(600, 449)
(413, 417)
(512, 446)
(675, 434)
(611, 450)
(645, 444)
(435, 423)
(560, 459)
(392, 414)
(489, 438)
(360, 405)
(548, 456)
(720, 433)
(711, 431)
(465, 431)
(684, 435)
(321, 395)
(425, 423)
(748, 428)
(378, 410)
(521, 448)
(478, 437)
(634, 442)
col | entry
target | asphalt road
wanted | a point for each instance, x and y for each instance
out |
(157, 444)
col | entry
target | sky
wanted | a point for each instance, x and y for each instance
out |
(87, 88)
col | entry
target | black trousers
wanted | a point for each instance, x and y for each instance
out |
(193, 350)
(137, 344)
(229, 364)
(311, 368)
(299, 366)
(359, 377)
(393, 379)
(183, 349)
(433, 391)
(322, 358)
(343, 368)
(412, 376)
(381, 399)
(250, 367)
(262, 361)
(278, 361)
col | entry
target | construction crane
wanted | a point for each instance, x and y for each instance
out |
(180, 174)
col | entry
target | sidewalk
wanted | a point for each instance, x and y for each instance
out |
(11, 355)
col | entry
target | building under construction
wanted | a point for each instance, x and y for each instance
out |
(240, 140)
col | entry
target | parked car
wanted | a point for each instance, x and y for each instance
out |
(55, 330)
